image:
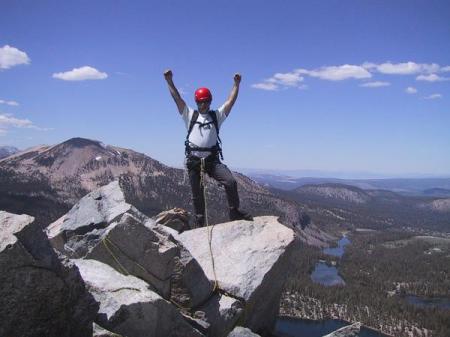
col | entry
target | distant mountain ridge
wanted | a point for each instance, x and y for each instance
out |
(46, 181)
(371, 208)
(6, 151)
(406, 186)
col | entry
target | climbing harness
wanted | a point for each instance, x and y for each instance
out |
(214, 149)
(209, 229)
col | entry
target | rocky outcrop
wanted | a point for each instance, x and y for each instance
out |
(103, 227)
(242, 332)
(39, 296)
(347, 331)
(249, 261)
(128, 307)
(144, 278)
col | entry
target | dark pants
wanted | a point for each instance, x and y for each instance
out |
(215, 169)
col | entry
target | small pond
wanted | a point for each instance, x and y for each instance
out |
(438, 302)
(328, 275)
(339, 250)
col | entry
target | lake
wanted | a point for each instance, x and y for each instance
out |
(339, 250)
(438, 302)
(328, 275)
(293, 327)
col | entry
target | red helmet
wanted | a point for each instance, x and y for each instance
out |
(203, 95)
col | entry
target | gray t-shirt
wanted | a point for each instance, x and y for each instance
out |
(206, 135)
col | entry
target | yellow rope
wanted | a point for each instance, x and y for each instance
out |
(124, 271)
(209, 229)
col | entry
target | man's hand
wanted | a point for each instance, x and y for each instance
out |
(168, 75)
(237, 78)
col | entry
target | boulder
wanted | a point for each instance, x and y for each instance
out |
(102, 332)
(347, 331)
(222, 312)
(103, 227)
(242, 332)
(40, 293)
(128, 307)
(250, 259)
(175, 218)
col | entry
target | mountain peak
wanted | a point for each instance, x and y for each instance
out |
(82, 142)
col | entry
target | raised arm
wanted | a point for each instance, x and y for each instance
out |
(233, 95)
(174, 92)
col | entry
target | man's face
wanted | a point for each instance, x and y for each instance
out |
(203, 106)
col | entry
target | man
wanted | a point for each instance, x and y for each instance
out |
(203, 147)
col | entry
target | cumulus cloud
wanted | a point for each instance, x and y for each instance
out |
(375, 84)
(10, 57)
(337, 73)
(287, 79)
(423, 71)
(12, 103)
(406, 68)
(8, 121)
(433, 96)
(265, 86)
(81, 74)
(280, 80)
(411, 90)
(431, 78)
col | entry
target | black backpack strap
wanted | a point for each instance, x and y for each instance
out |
(192, 123)
(214, 119)
(216, 124)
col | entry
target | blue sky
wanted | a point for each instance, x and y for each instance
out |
(326, 85)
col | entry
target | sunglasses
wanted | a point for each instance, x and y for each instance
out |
(203, 102)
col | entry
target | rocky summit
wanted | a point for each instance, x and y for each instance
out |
(114, 271)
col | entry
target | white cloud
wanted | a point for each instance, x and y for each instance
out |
(81, 74)
(265, 86)
(280, 80)
(411, 90)
(431, 78)
(447, 68)
(288, 79)
(12, 103)
(433, 96)
(337, 73)
(10, 57)
(375, 84)
(406, 68)
(8, 121)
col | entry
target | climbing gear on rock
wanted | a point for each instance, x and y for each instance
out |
(216, 149)
(203, 95)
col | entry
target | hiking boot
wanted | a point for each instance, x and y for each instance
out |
(236, 214)
(199, 221)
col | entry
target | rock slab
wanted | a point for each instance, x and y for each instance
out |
(40, 294)
(128, 307)
(250, 259)
(347, 331)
